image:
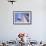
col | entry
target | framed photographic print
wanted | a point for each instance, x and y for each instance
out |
(22, 17)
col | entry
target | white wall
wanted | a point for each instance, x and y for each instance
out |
(9, 31)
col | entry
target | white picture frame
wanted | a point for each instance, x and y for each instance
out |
(22, 17)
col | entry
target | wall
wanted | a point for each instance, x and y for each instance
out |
(9, 31)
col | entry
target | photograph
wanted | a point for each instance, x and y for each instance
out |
(22, 17)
